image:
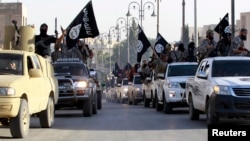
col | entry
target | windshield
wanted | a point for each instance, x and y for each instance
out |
(125, 81)
(231, 68)
(138, 80)
(11, 64)
(70, 69)
(182, 70)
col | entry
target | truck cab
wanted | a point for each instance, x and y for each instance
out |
(220, 89)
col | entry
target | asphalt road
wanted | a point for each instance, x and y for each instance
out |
(117, 122)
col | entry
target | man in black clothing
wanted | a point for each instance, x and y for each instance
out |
(43, 41)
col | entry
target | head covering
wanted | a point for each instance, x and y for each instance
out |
(209, 31)
(44, 24)
(243, 30)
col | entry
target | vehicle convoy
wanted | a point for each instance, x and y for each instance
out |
(220, 89)
(172, 94)
(135, 94)
(28, 87)
(77, 87)
(121, 91)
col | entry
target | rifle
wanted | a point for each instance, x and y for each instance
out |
(17, 30)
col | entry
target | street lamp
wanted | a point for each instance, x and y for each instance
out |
(119, 22)
(158, 15)
(101, 39)
(128, 27)
(111, 31)
(141, 7)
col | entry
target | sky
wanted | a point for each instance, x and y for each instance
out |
(108, 11)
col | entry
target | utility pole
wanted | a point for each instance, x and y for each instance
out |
(195, 24)
(233, 17)
(158, 15)
(183, 20)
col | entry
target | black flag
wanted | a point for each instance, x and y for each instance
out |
(223, 26)
(83, 26)
(160, 45)
(117, 69)
(142, 45)
(128, 66)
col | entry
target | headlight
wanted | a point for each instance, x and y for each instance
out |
(7, 91)
(173, 85)
(81, 84)
(137, 89)
(221, 90)
(125, 89)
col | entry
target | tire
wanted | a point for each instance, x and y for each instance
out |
(19, 125)
(87, 107)
(134, 100)
(193, 113)
(211, 119)
(153, 100)
(146, 102)
(159, 107)
(94, 105)
(167, 107)
(47, 116)
(99, 100)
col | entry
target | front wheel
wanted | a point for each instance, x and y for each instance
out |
(87, 107)
(46, 117)
(167, 107)
(19, 125)
(159, 107)
(211, 119)
(193, 113)
(99, 100)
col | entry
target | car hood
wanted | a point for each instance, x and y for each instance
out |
(10, 80)
(179, 78)
(74, 78)
(232, 81)
(138, 85)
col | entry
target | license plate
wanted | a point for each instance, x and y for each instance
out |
(66, 84)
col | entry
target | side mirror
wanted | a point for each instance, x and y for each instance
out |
(35, 73)
(202, 75)
(148, 78)
(92, 73)
(160, 75)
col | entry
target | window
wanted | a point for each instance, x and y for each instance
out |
(36, 61)
(182, 70)
(70, 69)
(231, 68)
(11, 64)
(138, 80)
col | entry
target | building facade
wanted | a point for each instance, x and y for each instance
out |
(244, 22)
(9, 12)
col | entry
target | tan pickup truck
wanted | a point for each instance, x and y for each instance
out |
(27, 88)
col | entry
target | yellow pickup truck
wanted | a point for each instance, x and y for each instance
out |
(27, 88)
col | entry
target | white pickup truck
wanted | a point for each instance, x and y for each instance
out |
(122, 91)
(220, 88)
(171, 93)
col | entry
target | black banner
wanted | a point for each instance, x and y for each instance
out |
(143, 44)
(83, 26)
(160, 45)
(223, 26)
